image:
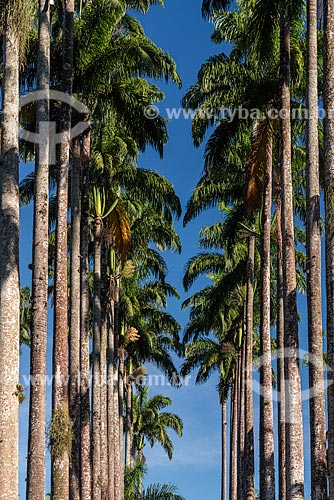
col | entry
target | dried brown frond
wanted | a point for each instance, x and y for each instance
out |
(257, 164)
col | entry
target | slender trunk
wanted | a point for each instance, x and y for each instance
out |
(280, 349)
(267, 465)
(233, 439)
(96, 396)
(75, 322)
(85, 449)
(249, 414)
(9, 269)
(329, 210)
(241, 422)
(37, 411)
(110, 394)
(60, 463)
(294, 424)
(223, 465)
(121, 381)
(313, 251)
(118, 465)
(103, 378)
(129, 423)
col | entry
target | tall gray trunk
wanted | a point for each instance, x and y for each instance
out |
(60, 464)
(110, 392)
(96, 396)
(37, 410)
(294, 424)
(329, 210)
(249, 412)
(103, 378)
(233, 439)
(85, 448)
(280, 348)
(241, 422)
(75, 299)
(267, 445)
(313, 250)
(223, 464)
(129, 423)
(9, 269)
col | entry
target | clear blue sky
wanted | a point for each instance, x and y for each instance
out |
(195, 468)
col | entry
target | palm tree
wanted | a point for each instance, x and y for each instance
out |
(60, 463)
(294, 428)
(13, 25)
(151, 424)
(316, 373)
(133, 478)
(37, 413)
(329, 210)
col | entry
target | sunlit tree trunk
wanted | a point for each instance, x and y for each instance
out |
(241, 423)
(249, 412)
(75, 299)
(280, 348)
(313, 252)
(224, 448)
(9, 268)
(233, 440)
(96, 364)
(60, 463)
(267, 445)
(294, 424)
(103, 378)
(39, 327)
(329, 210)
(85, 447)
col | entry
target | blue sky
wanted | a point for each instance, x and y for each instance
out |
(195, 468)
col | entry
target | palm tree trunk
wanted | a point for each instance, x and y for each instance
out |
(60, 464)
(9, 269)
(75, 322)
(96, 396)
(223, 465)
(129, 423)
(267, 465)
(85, 448)
(233, 440)
(118, 465)
(294, 424)
(313, 251)
(249, 413)
(280, 349)
(329, 210)
(37, 410)
(103, 378)
(110, 396)
(241, 422)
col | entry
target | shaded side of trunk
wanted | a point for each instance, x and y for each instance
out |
(85, 449)
(9, 269)
(249, 412)
(60, 461)
(233, 440)
(294, 424)
(267, 445)
(329, 210)
(223, 444)
(313, 253)
(75, 299)
(280, 349)
(38, 346)
(96, 362)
